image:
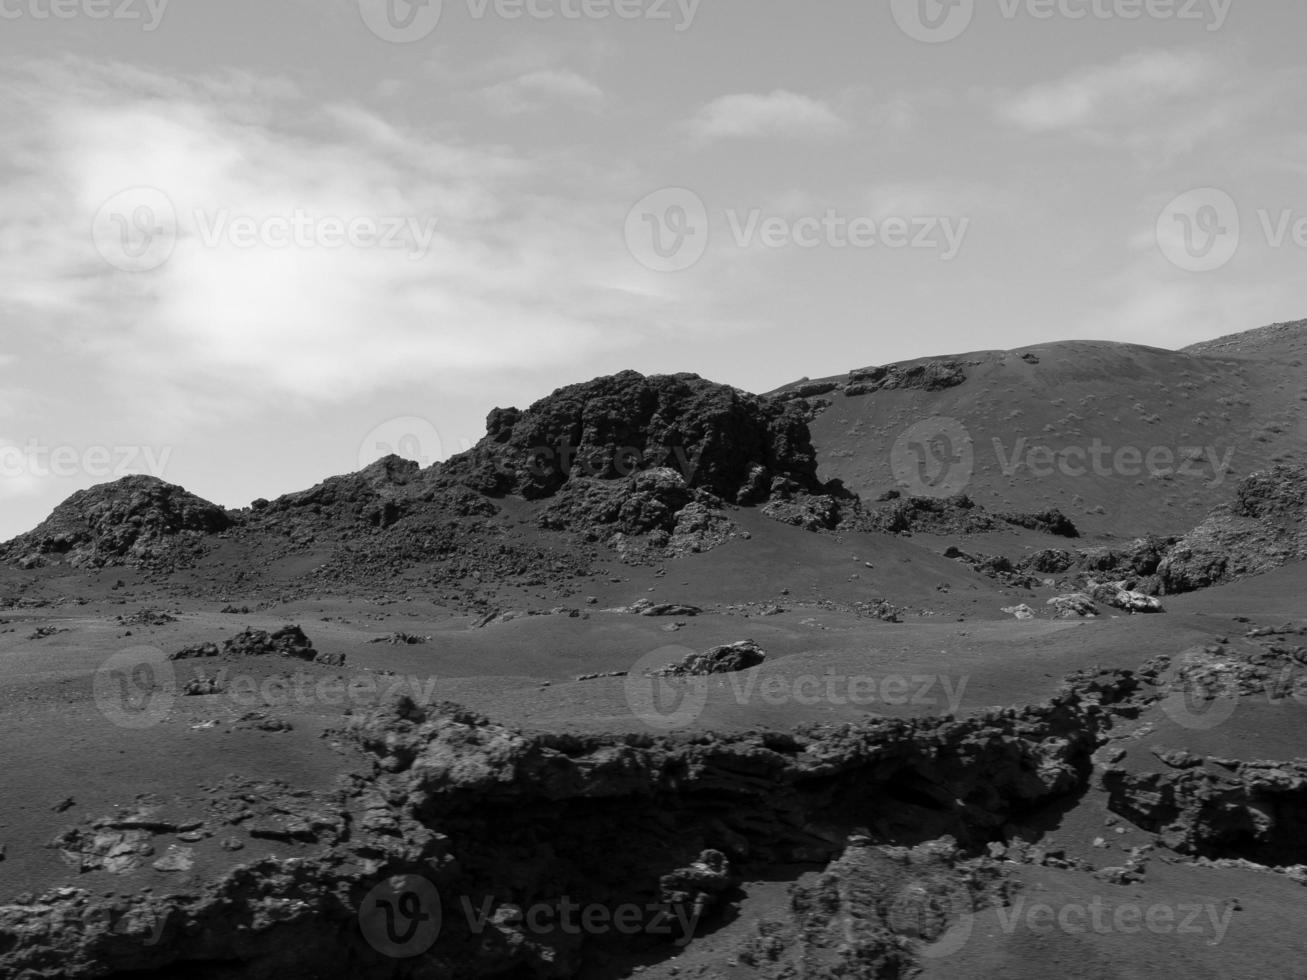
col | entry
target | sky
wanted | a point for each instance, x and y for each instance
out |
(251, 244)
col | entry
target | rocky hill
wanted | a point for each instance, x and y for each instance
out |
(135, 520)
(1124, 440)
(1262, 528)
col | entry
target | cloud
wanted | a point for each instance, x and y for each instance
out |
(1111, 96)
(511, 276)
(536, 89)
(1140, 308)
(779, 114)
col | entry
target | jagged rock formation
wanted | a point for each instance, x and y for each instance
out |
(488, 814)
(1264, 527)
(869, 910)
(935, 375)
(928, 375)
(137, 520)
(1225, 809)
(726, 659)
(718, 438)
(958, 514)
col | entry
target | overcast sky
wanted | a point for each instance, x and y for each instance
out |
(247, 244)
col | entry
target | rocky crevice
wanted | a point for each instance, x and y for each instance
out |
(488, 814)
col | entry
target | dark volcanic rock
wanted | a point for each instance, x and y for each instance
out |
(492, 813)
(138, 520)
(289, 641)
(930, 376)
(727, 659)
(1263, 528)
(647, 501)
(1050, 522)
(1255, 812)
(718, 438)
(951, 515)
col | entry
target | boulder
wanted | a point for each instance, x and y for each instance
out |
(727, 659)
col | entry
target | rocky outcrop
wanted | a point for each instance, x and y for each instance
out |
(1249, 810)
(1052, 522)
(726, 659)
(1264, 527)
(1075, 605)
(937, 375)
(494, 819)
(721, 440)
(959, 514)
(873, 908)
(289, 641)
(138, 520)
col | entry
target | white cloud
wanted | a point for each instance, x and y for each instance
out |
(536, 89)
(514, 276)
(779, 114)
(1110, 96)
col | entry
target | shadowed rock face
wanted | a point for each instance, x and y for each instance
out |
(721, 440)
(135, 519)
(481, 810)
